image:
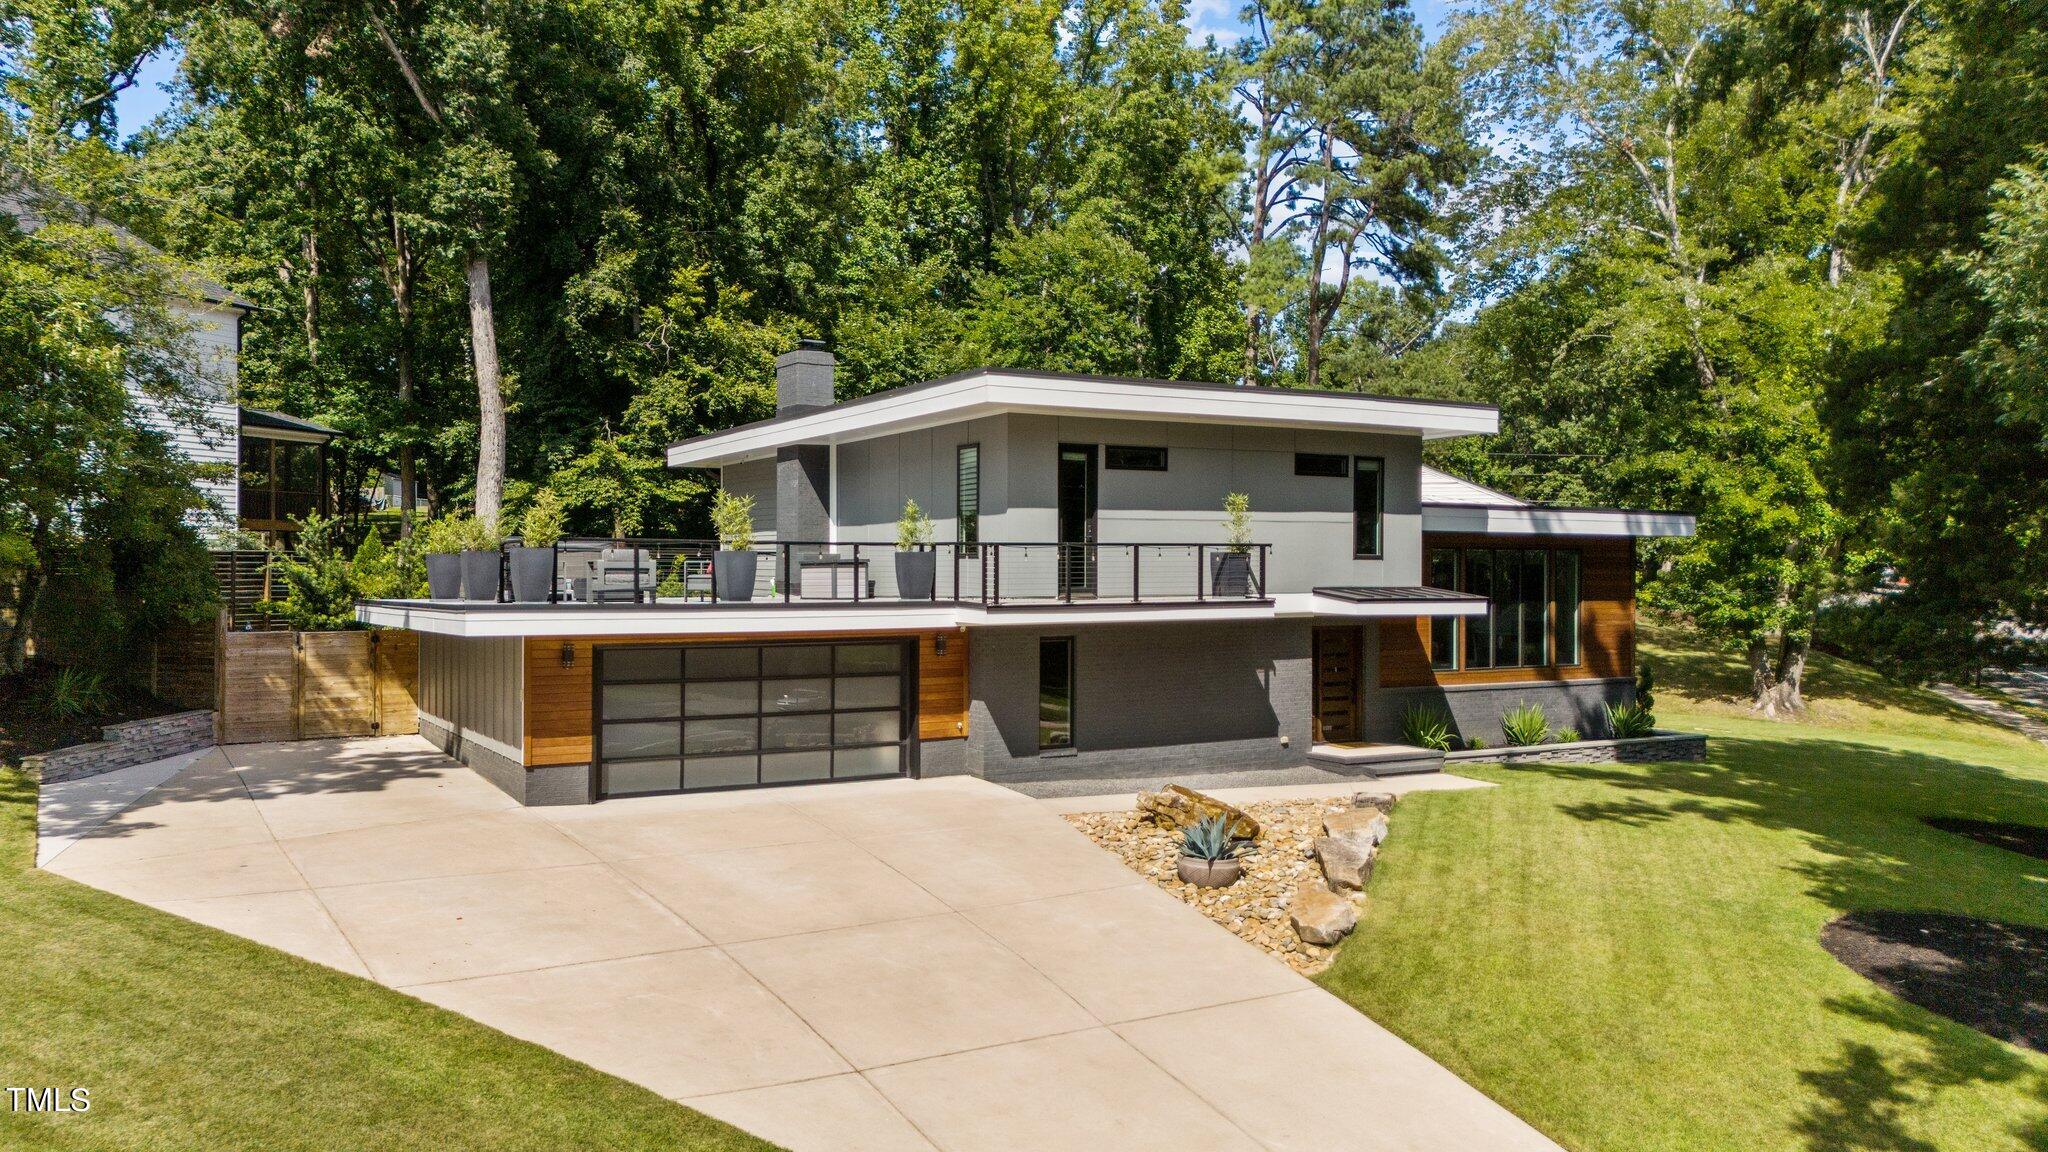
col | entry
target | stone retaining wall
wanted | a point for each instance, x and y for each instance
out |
(1664, 746)
(125, 745)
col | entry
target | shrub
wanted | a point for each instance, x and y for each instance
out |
(732, 517)
(913, 528)
(1568, 736)
(542, 525)
(1475, 743)
(1525, 724)
(1629, 721)
(1209, 839)
(1646, 685)
(1426, 727)
(321, 581)
(78, 693)
(443, 535)
(483, 535)
(1237, 521)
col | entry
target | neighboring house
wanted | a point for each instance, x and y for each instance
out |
(1084, 619)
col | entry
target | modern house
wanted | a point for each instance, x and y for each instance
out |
(1088, 612)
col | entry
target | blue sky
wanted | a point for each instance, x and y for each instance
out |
(147, 99)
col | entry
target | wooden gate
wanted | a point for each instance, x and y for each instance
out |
(314, 685)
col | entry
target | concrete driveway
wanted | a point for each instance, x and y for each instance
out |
(885, 965)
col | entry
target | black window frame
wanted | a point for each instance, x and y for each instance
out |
(1071, 677)
(1112, 462)
(1484, 635)
(1302, 465)
(966, 504)
(1379, 509)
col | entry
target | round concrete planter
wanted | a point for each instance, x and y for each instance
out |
(480, 575)
(444, 576)
(917, 573)
(732, 574)
(1208, 873)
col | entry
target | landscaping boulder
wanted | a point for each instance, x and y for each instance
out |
(1365, 827)
(1346, 863)
(1176, 807)
(1384, 801)
(1320, 916)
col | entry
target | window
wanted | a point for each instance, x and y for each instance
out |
(1056, 692)
(1321, 464)
(1532, 617)
(967, 498)
(1128, 459)
(1368, 496)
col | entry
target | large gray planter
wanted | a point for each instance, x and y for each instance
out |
(533, 573)
(480, 575)
(444, 576)
(1230, 574)
(917, 574)
(732, 575)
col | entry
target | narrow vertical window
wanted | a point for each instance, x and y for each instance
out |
(1443, 630)
(1056, 692)
(1479, 629)
(1368, 497)
(1564, 596)
(967, 497)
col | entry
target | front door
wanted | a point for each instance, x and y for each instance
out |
(1338, 655)
(1077, 520)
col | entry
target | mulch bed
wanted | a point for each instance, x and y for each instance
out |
(2025, 839)
(29, 725)
(1986, 974)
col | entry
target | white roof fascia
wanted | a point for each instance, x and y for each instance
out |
(639, 620)
(1291, 604)
(992, 393)
(1535, 520)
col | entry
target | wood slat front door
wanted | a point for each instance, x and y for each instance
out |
(1338, 652)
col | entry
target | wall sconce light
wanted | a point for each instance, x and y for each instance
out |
(939, 645)
(568, 655)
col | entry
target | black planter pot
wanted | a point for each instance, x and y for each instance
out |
(917, 574)
(1230, 574)
(533, 573)
(732, 575)
(444, 576)
(480, 575)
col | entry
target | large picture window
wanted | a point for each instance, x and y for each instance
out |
(1056, 692)
(1532, 617)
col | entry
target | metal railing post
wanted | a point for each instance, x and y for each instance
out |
(1066, 574)
(998, 550)
(1201, 572)
(1135, 586)
(1262, 570)
(857, 581)
(783, 562)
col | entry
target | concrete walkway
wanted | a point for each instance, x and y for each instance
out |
(882, 965)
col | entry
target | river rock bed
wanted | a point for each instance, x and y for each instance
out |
(1282, 860)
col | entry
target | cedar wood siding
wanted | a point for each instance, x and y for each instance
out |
(1607, 619)
(559, 700)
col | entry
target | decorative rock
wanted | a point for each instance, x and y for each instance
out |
(1384, 801)
(1365, 827)
(1177, 807)
(1345, 863)
(1320, 916)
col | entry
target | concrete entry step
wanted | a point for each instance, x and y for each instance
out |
(1377, 759)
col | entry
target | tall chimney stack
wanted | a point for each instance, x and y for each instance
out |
(803, 378)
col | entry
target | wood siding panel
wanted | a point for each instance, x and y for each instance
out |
(397, 653)
(337, 685)
(311, 685)
(558, 699)
(1607, 620)
(258, 677)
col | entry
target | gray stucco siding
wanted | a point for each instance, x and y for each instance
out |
(1145, 695)
(754, 478)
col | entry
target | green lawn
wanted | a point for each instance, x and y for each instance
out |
(191, 1038)
(1627, 956)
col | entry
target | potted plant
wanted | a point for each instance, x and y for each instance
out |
(532, 562)
(442, 538)
(1208, 856)
(482, 563)
(917, 566)
(732, 567)
(1230, 571)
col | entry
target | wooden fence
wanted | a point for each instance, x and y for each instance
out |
(312, 685)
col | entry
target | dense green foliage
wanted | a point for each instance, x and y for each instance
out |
(1628, 956)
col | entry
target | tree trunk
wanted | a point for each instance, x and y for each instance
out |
(309, 290)
(490, 398)
(27, 592)
(1763, 684)
(1792, 671)
(1319, 248)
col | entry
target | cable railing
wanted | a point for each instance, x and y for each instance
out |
(989, 574)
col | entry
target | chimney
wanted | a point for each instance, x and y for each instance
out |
(803, 378)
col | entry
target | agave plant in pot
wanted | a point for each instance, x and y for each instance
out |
(732, 568)
(1230, 571)
(442, 540)
(917, 566)
(483, 563)
(1208, 854)
(532, 561)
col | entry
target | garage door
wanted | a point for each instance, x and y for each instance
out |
(701, 717)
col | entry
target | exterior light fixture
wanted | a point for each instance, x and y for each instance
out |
(939, 645)
(568, 655)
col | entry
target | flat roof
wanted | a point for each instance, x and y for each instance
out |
(991, 391)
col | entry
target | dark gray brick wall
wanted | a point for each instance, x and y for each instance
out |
(1189, 697)
(1475, 709)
